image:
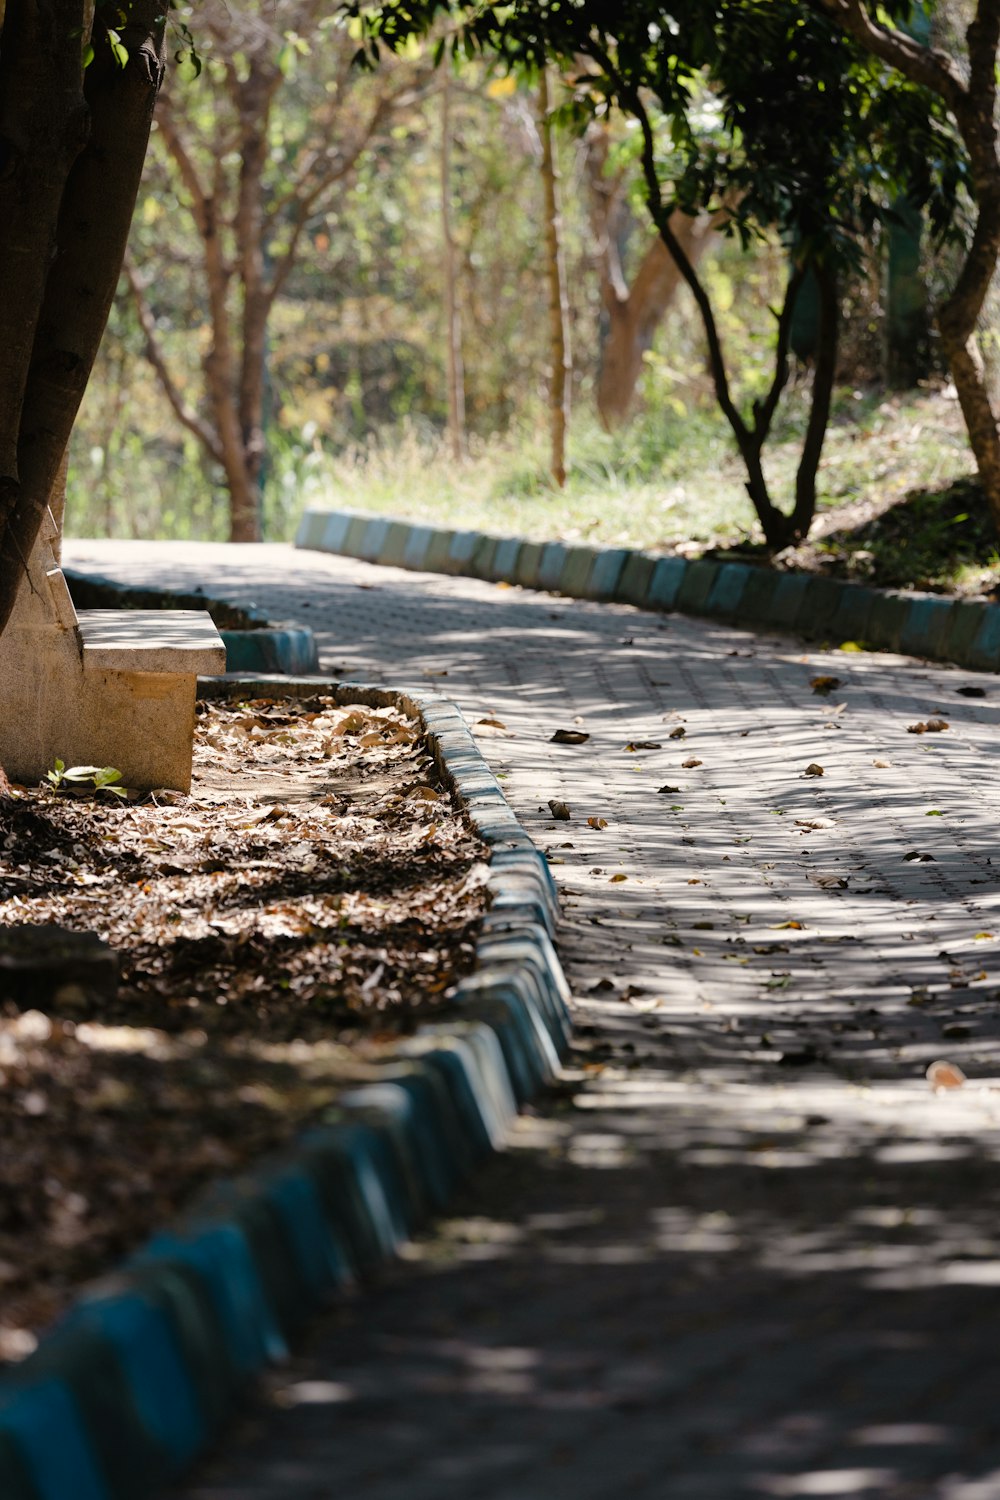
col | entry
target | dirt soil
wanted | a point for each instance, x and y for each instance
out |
(315, 897)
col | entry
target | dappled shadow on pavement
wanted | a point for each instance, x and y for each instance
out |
(620, 1311)
(746, 1250)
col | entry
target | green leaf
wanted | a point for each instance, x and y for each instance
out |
(119, 51)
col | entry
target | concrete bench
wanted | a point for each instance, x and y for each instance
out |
(103, 687)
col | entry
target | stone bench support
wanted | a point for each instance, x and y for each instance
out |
(105, 687)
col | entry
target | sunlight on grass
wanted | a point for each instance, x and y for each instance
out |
(664, 481)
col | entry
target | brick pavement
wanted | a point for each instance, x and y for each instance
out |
(746, 1251)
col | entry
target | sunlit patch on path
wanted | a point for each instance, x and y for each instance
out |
(747, 1249)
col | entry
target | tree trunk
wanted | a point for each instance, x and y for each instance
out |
(633, 312)
(824, 373)
(968, 371)
(559, 344)
(634, 317)
(453, 320)
(972, 100)
(255, 99)
(94, 216)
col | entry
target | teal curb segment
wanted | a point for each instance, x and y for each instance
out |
(145, 1369)
(276, 649)
(966, 632)
(287, 649)
(34, 1463)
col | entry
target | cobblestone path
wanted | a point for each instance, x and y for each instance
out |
(746, 1250)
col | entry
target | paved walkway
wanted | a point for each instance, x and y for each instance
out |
(747, 1251)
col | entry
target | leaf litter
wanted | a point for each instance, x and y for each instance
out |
(314, 898)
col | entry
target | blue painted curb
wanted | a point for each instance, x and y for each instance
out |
(831, 610)
(146, 1368)
(288, 649)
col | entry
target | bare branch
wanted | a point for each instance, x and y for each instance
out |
(153, 350)
(184, 162)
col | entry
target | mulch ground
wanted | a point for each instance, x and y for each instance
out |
(314, 898)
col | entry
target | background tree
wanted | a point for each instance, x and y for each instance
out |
(561, 363)
(967, 88)
(806, 142)
(634, 305)
(255, 155)
(77, 89)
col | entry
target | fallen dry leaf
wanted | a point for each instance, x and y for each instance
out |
(597, 822)
(275, 931)
(824, 685)
(945, 1075)
(813, 769)
(569, 737)
(617, 879)
(678, 733)
(883, 765)
(634, 745)
(932, 726)
(688, 765)
(559, 810)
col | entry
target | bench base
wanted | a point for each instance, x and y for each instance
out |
(142, 723)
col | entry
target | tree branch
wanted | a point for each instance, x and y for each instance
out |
(925, 65)
(764, 410)
(153, 350)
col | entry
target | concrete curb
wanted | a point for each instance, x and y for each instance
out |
(142, 1373)
(963, 631)
(287, 649)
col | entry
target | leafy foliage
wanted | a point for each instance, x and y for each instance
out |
(86, 781)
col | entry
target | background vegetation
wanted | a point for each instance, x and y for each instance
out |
(354, 354)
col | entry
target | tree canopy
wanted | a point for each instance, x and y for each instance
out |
(765, 111)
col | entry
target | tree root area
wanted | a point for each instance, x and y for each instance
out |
(314, 898)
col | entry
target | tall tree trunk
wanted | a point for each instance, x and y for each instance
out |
(453, 319)
(559, 335)
(95, 212)
(255, 99)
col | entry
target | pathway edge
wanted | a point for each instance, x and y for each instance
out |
(965, 632)
(143, 1372)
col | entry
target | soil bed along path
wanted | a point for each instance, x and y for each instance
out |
(277, 930)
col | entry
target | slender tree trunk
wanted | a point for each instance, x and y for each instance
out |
(824, 373)
(255, 113)
(453, 320)
(559, 333)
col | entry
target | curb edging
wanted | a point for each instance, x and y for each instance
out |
(141, 1374)
(933, 626)
(282, 648)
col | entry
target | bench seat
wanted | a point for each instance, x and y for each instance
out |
(151, 640)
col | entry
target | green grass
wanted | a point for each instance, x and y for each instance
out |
(671, 480)
(666, 479)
